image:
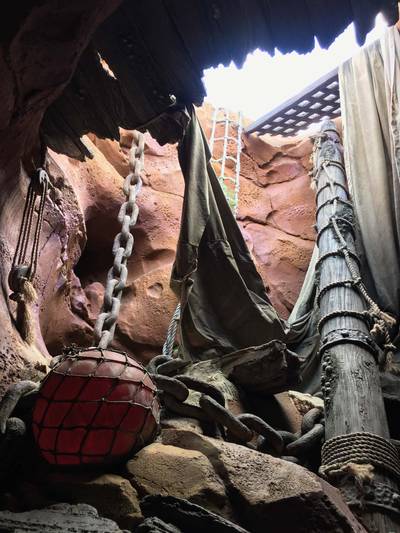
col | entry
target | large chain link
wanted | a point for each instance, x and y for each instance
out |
(243, 428)
(122, 248)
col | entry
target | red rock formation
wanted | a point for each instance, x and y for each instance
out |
(41, 45)
(276, 210)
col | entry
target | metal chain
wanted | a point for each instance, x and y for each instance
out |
(122, 248)
(243, 428)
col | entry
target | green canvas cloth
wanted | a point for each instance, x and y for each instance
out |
(224, 305)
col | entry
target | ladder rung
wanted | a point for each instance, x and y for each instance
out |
(229, 138)
(230, 120)
(221, 158)
(227, 178)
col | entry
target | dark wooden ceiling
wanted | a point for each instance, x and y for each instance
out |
(158, 48)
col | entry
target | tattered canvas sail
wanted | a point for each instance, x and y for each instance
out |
(370, 91)
(224, 306)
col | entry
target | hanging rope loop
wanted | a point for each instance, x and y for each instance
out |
(24, 265)
(122, 247)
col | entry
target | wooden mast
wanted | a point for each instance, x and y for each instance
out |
(356, 424)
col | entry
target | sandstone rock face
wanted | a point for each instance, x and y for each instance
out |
(276, 209)
(275, 213)
(173, 471)
(112, 495)
(148, 302)
(61, 517)
(269, 493)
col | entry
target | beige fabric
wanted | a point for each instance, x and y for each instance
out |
(369, 85)
(370, 90)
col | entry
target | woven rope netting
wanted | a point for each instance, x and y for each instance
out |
(95, 406)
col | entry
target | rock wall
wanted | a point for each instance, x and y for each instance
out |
(276, 209)
(275, 212)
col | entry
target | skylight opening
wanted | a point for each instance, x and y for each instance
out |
(266, 81)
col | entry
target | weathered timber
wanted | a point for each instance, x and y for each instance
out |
(350, 374)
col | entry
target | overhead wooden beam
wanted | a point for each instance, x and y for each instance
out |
(357, 456)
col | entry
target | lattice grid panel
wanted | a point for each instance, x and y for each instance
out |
(319, 101)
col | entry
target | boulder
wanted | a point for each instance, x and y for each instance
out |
(63, 517)
(184, 473)
(266, 369)
(156, 525)
(188, 516)
(271, 494)
(112, 495)
(304, 402)
(278, 410)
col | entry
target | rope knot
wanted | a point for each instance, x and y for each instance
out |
(17, 275)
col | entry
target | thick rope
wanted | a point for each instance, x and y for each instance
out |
(382, 322)
(359, 448)
(168, 347)
(23, 270)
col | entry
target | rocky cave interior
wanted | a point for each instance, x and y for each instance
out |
(186, 481)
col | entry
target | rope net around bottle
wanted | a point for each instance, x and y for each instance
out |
(99, 405)
(94, 406)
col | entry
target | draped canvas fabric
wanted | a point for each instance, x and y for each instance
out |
(224, 305)
(303, 324)
(370, 91)
(369, 95)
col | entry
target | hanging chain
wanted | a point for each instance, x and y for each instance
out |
(122, 248)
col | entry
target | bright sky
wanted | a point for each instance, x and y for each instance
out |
(266, 81)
